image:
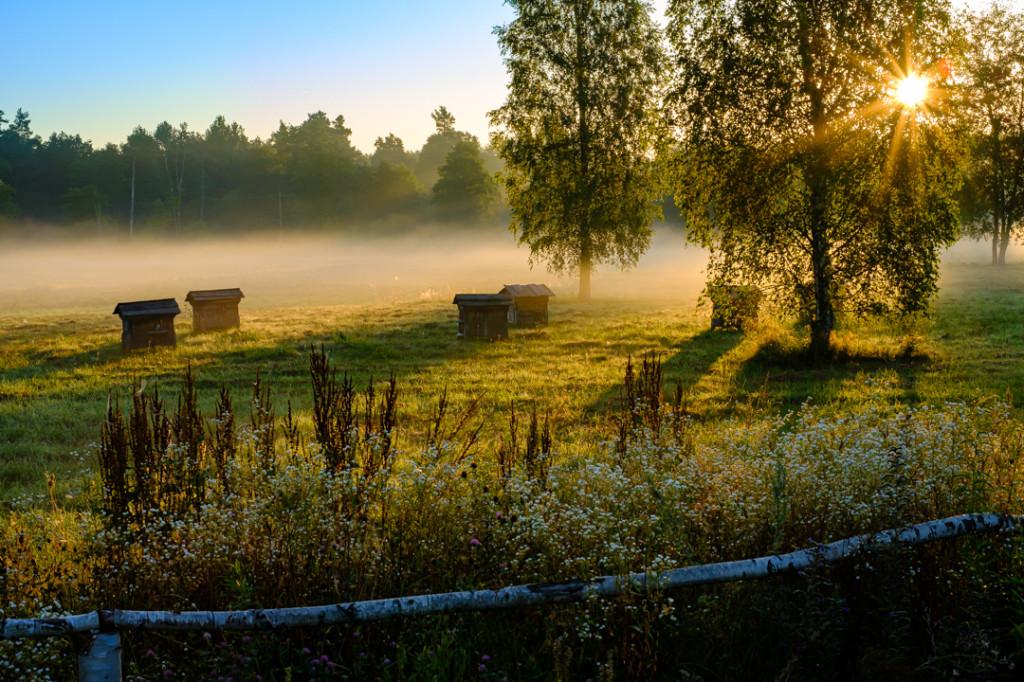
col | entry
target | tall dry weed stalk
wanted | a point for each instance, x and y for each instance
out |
(380, 420)
(351, 440)
(457, 437)
(148, 436)
(641, 400)
(535, 454)
(221, 436)
(333, 416)
(290, 431)
(114, 461)
(261, 420)
(132, 455)
(185, 474)
(153, 465)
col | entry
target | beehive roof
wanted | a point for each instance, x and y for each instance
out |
(481, 300)
(203, 295)
(523, 290)
(159, 306)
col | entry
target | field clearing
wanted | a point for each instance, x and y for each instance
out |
(382, 307)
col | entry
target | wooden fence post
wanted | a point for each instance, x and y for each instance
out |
(99, 657)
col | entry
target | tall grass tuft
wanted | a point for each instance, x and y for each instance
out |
(350, 440)
(185, 479)
(537, 449)
(380, 417)
(148, 436)
(290, 431)
(641, 399)
(150, 464)
(114, 461)
(333, 416)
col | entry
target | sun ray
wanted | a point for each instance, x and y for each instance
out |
(901, 126)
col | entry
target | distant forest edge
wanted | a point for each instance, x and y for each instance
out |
(173, 180)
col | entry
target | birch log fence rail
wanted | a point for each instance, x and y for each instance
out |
(97, 633)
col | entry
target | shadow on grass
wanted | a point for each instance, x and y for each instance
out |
(788, 376)
(233, 356)
(49, 361)
(52, 399)
(691, 360)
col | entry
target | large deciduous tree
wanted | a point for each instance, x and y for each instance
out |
(800, 169)
(995, 86)
(579, 130)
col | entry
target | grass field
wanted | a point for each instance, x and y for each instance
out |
(765, 453)
(58, 365)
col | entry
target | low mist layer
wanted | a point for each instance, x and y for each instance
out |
(318, 270)
(324, 270)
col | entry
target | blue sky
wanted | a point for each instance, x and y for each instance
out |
(101, 68)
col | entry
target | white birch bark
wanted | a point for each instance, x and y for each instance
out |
(511, 597)
(99, 657)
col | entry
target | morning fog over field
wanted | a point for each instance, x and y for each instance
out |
(319, 269)
(322, 269)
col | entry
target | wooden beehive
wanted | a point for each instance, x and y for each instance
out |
(483, 316)
(529, 304)
(145, 324)
(214, 309)
(733, 305)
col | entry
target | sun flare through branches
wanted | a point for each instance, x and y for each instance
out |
(912, 91)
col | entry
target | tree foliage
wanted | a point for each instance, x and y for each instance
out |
(579, 130)
(800, 171)
(464, 188)
(437, 147)
(393, 191)
(994, 65)
(320, 163)
(8, 207)
(391, 150)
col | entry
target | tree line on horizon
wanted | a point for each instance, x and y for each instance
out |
(176, 180)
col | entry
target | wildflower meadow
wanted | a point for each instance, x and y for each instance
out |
(264, 470)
